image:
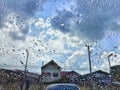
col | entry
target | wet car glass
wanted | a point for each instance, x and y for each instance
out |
(63, 87)
(43, 42)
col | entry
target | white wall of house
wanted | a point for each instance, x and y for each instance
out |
(52, 69)
(101, 75)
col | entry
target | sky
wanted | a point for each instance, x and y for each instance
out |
(59, 30)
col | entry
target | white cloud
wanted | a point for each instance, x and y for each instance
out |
(41, 48)
(42, 23)
(75, 57)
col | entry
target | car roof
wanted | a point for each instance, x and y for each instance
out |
(63, 86)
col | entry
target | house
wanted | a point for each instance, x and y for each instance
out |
(72, 76)
(7, 75)
(33, 77)
(16, 75)
(51, 72)
(115, 72)
(97, 78)
(64, 73)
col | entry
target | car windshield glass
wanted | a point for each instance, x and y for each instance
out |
(62, 87)
(45, 42)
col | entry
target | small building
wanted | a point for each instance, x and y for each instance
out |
(33, 77)
(115, 72)
(97, 78)
(64, 73)
(7, 75)
(51, 72)
(71, 76)
(17, 76)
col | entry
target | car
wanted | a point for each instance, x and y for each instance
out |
(63, 86)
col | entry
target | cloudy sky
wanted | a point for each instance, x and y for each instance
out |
(59, 30)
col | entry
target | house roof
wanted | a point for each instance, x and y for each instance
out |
(73, 72)
(99, 71)
(6, 70)
(116, 66)
(52, 62)
(21, 71)
(64, 73)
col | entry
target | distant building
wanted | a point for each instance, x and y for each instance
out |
(16, 75)
(97, 78)
(51, 72)
(7, 75)
(115, 72)
(33, 77)
(72, 76)
(64, 73)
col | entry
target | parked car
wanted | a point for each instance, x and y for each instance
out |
(63, 86)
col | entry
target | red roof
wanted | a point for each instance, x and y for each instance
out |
(64, 73)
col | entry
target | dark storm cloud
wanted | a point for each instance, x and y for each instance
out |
(61, 22)
(25, 6)
(115, 26)
(89, 18)
(24, 10)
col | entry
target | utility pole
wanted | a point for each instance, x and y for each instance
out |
(109, 60)
(89, 58)
(26, 62)
(41, 78)
(42, 63)
(26, 80)
(88, 47)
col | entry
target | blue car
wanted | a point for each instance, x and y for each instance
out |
(63, 86)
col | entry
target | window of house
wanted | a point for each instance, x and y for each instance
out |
(46, 74)
(55, 74)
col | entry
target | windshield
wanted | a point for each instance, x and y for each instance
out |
(62, 87)
(59, 41)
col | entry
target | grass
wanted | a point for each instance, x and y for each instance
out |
(37, 87)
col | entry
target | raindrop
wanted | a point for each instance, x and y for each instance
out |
(62, 25)
(37, 5)
(3, 3)
(13, 50)
(17, 16)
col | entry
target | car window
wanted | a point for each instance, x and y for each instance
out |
(45, 42)
(62, 87)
